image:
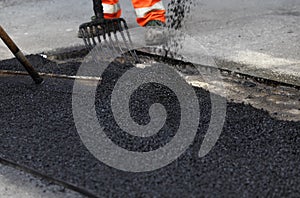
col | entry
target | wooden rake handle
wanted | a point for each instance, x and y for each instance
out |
(20, 56)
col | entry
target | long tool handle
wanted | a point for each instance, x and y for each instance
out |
(98, 9)
(20, 56)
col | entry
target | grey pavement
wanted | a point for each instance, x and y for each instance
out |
(261, 38)
(15, 184)
(46, 25)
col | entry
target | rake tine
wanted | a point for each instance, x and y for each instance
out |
(92, 36)
(100, 41)
(83, 36)
(124, 39)
(86, 36)
(96, 54)
(118, 43)
(107, 44)
(88, 39)
(130, 42)
(110, 39)
(98, 35)
(108, 48)
(122, 52)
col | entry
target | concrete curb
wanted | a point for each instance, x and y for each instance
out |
(258, 72)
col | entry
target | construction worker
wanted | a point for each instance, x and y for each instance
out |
(148, 12)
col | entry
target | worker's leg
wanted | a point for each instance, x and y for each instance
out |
(111, 9)
(149, 10)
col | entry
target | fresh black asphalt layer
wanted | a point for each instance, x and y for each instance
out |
(255, 155)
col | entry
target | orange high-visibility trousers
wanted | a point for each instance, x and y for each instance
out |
(145, 10)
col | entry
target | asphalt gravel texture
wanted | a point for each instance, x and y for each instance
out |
(256, 155)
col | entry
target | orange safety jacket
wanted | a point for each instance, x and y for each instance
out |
(145, 10)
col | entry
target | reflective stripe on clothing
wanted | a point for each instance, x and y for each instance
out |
(142, 12)
(146, 10)
(113, 16)
(152, 15)
(111, 9)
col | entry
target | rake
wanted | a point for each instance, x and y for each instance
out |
(104, 32)
(20, 56)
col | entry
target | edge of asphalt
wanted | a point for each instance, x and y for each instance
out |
(252, 71)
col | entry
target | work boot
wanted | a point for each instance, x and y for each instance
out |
(155, 33)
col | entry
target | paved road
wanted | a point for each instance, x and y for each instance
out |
(256, 155)
(262, 37)
(15, 184)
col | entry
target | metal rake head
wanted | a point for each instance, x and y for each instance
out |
(111, 35)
